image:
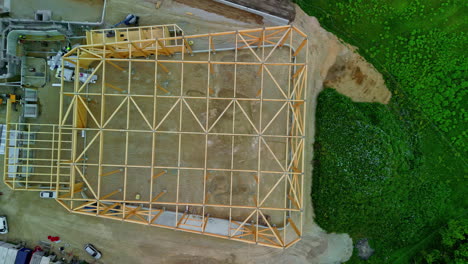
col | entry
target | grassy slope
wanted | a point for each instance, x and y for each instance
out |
(394, 173)
(419, 46)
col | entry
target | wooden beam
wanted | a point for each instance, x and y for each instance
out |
(132, 212)
(164, 68)
(111, 194)
(71, 161)
(293, 225)
(114, 52)
(156, 216)
(205, 222)
(165, 50)
(114, 87)
(211, 91)
(275, 230)
(181, 219)
(207, 197)
(212, 45)
(78, 187)
(294, 201)
(115, 65)
(108, 208)
(158, 196)
(298, 71)
(111, 172)
(141, 217)
(267, 239)
(300, 47)
(81, 113)
(259, 92)
(255, 178)
(162, 89)
(260, 70)
(187, 46)
(211, 68)
(297, 104)
(84, 205)
(285, 38)
(139, 49)
(159, 174)
(70, 193)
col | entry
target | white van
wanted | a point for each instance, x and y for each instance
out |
(3, 225)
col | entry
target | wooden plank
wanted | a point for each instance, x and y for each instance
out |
(108, 208)
(110, 194)
(181, 219)
(115, 66)
(159, 174)
(156, 216)
(158, 196)
(82, 114)
(114, 87)
(111, 172)
(293, 225)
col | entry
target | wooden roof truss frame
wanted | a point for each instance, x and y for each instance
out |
(70, 180)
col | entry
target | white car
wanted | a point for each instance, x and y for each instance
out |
(3, 225)
(91, 250)
(48, 194)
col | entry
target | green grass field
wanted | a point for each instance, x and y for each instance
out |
(396, 173)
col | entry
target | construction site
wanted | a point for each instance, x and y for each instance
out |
(171, 122)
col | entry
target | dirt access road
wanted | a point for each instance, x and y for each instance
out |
(32, 219)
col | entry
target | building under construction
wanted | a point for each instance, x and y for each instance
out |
(199, 133)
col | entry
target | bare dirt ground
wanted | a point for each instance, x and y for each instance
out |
(32, 219)
(219, 151)
(354, 77)
(342, 68)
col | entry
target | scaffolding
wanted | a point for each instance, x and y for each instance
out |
(79, 169)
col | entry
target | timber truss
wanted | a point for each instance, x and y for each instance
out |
(94, 177)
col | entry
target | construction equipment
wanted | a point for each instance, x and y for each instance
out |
(13, 97)
(130, 20)
(69, 75)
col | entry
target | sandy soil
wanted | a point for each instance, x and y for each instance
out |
(354, 77)
(342, 68)
(330, 61)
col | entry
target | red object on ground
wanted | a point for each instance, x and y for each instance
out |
(53, 239)
(37, 248)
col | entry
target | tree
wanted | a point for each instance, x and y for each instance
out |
(453, 247)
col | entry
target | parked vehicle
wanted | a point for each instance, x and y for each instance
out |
(24, 256)
(48, 194)
(8, 253)
(69, 75)
(91, 250)
(3, 225)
